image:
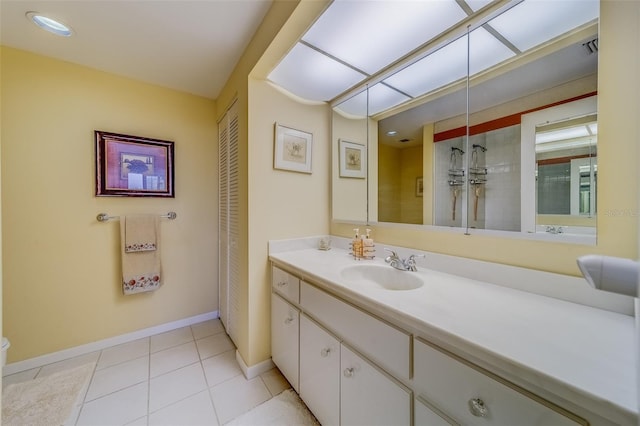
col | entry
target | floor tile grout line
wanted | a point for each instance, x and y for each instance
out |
(86, 391)
(101, 354)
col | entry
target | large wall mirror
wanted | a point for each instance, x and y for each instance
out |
(453, 150)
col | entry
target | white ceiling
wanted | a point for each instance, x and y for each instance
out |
(191, 46)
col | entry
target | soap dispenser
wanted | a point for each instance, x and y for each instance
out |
(356, 244)
(368, 248)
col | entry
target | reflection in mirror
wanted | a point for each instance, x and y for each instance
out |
(409, 177)
(349, 176)
(525, 59)
(563, 141)
(566, 162)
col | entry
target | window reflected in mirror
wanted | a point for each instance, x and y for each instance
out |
(566, 175)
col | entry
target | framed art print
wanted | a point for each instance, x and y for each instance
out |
(292, 149)
(353, 160)
(133, 166)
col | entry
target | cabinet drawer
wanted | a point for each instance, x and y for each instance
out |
(425, 414)
(382, 343)
(287, 285)
(285, 332)
(471, 395)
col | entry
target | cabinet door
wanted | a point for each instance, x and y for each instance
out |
(320, 372)
(368, 396)
(384, 344)
(285, 328)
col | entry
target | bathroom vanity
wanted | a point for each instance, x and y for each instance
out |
(363, 343)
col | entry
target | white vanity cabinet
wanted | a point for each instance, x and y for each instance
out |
(320, 371)
(351, 367)
(469, 395)
(285, 323)
(368, 396)
(387, 346)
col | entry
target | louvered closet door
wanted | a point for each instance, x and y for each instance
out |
(229, 226)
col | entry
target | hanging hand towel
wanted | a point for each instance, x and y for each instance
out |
(140, 242)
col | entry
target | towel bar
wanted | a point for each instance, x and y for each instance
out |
(103, 217)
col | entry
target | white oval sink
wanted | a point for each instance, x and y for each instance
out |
(381, 277)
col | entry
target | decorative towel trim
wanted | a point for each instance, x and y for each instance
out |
(132, 248)
(141, 283)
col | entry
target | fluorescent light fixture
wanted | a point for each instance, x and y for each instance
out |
(382, 97)
(312, 75)
(485, 51)
(565, 144)
(371, 35)
(574, 132)
(550, 18)
(476, 5)
(355, 106)
(49, 24)
(441, 67)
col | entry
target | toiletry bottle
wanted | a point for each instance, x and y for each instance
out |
(368, 248)
(356, 245)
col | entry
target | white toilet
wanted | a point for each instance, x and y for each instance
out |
(5, 346)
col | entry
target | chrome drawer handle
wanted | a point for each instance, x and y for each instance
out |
(325, 352)
(348, 372)
(281, 284)
(477, 407)
(288, 320)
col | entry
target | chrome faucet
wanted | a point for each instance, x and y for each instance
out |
(400, 264)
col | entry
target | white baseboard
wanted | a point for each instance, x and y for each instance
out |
(254, 370)
(39, 361)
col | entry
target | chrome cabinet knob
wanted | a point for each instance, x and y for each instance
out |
(325, 352)
(478, 408)
(281, 284)
(288, 320)
(348, 372)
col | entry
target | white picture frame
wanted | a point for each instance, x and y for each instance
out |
(353, 159)
(292, 149)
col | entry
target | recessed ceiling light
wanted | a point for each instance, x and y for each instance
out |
(392, 133)
(49, 24)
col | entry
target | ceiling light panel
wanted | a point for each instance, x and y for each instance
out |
(312, 75)
(485, 51)
(562, 134)
(370, 38)
(382, 97)
(355, 106)
(476, 5)
(549, 18)
(440, 68)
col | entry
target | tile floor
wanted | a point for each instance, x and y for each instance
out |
(187, 376)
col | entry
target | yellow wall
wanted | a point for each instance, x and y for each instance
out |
(60, 266)
(282, 204)
(398, 169)
(389, 166)
(411, 169)
(618, 133)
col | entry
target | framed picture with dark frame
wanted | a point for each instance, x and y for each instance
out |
(133, 166)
